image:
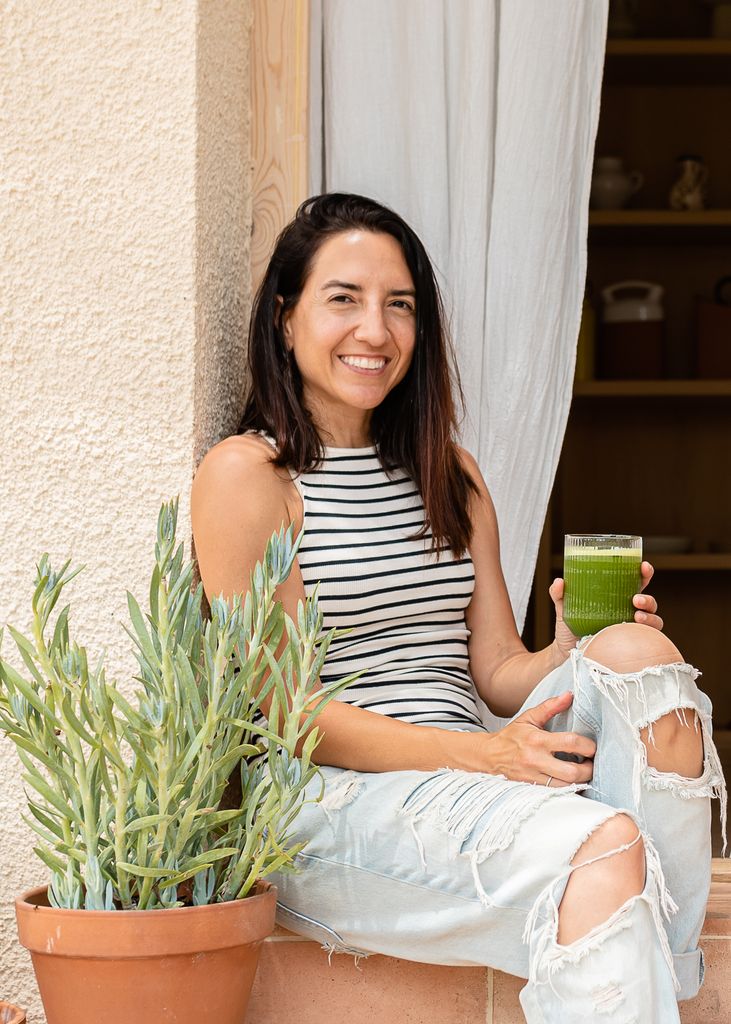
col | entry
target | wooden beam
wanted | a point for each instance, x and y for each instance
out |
(279, 120)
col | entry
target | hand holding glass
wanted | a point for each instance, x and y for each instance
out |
(602, 573)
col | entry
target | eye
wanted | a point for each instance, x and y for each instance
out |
(403, 304)
(341, 298)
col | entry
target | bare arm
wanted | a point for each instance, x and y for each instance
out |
(504, 672)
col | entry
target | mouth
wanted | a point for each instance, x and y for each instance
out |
(371, 365)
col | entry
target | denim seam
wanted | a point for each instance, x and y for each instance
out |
(411, 885)
(586, 719)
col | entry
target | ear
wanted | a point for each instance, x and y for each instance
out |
(281, 319)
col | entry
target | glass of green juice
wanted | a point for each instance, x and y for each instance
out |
(601, 576)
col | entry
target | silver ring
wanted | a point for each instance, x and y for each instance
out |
(550, 780)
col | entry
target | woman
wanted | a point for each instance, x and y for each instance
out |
(437, 840)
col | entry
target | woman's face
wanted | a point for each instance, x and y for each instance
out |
(353, 329)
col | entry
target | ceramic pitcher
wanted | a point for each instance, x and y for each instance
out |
(611, 185)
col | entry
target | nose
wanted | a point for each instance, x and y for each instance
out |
(372, 327)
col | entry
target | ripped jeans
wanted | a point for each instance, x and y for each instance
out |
(465, 868)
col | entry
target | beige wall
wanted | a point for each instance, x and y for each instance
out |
(125, 233)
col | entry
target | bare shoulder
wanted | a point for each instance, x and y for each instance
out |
(241, 464)
(238, 454)
(237, 481)
(238, 499)
(469, 463)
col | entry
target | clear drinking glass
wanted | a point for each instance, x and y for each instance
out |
(601, 576)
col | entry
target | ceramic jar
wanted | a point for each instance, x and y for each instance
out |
(612, 186)
(632, 340)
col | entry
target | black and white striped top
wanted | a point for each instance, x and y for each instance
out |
(404, 605)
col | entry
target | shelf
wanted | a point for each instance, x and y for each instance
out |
(676, 563)
(652, 388)
(668, 61)
(660, 218)
(669, 47)
(659, 226)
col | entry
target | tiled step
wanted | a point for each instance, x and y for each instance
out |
(297, 982)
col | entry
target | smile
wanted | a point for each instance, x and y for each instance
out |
(364, 363)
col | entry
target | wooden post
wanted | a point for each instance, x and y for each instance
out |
(279, 115)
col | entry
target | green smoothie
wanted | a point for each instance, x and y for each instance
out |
(600, 583)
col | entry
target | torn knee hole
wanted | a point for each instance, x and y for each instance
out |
(601, 879)
(695, 770)
(615, 835)
(674, 743)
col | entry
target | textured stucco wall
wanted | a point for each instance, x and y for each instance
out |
(223, 222)
(124, 276)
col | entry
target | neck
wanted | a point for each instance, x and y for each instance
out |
(344, 432)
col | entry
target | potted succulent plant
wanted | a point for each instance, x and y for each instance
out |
(158, 899)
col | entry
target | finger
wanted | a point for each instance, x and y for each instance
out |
(568, 773)
(645, 603)
(571, 743)
(649, 620)
(647, 571)
(556, 591)
(544, 712)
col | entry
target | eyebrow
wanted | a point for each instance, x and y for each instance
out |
(349, 286)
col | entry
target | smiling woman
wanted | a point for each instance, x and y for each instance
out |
(349, 435)
(349, 281)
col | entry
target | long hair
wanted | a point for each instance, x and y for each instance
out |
(415, 426)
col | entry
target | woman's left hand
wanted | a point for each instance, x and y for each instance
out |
(645, 605)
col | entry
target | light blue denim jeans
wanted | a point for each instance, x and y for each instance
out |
(464, 868)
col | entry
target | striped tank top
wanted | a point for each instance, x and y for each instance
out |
(402, 604)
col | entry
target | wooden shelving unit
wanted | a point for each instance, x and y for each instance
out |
(653, 457)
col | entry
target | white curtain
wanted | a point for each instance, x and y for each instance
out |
(475, 120)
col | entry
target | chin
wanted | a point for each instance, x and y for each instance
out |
(366, 401)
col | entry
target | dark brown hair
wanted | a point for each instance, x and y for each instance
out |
(414, 427)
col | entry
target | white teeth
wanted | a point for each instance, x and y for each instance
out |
(366, 364)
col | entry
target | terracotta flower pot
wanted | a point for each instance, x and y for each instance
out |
(190, 965)
(10, 1014)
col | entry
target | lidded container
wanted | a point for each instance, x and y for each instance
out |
(633, 331)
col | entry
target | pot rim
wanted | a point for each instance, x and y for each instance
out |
(141, 934)
(262, 890)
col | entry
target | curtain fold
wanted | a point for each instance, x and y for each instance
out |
(476, 120)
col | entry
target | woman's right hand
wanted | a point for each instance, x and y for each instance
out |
(524, 751)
